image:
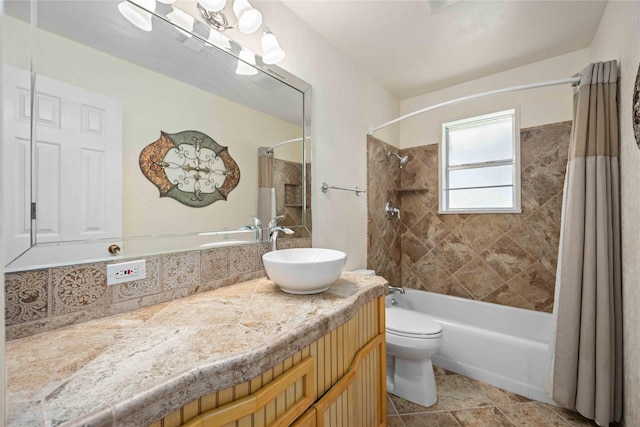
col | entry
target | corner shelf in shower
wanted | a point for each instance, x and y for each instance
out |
(404, 190)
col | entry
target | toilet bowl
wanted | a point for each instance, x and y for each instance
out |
(412, 338)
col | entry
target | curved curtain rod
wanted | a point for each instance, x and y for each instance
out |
(288, 141)
(572, 80)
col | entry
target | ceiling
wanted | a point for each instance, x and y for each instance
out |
(413, 50)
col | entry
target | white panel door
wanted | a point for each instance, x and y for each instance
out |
(77, 162)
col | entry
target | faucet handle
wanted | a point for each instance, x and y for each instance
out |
(257, 227)
(391, 210)
(274, 220)
(256, 221)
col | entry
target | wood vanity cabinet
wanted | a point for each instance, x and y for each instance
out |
(338, 380)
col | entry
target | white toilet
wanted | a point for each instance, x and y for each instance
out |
(412, 338)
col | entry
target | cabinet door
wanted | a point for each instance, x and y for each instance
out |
(243, 410)
(359, 398)
(307, 420)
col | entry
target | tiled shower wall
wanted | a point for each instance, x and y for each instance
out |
(41, 300)
(507, 259)
(287, 181)
(383, 235)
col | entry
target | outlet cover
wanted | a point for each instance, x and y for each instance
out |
(126, 272)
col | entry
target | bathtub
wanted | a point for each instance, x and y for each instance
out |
(499, 345)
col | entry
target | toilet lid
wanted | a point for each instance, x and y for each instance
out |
(409, 322)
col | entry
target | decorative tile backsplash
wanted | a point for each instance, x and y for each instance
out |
(76, 288)
(41, 300)
(508, 259)
(26, 296)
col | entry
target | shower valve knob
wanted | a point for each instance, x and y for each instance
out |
(390, 210)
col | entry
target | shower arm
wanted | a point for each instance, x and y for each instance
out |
(403, 160)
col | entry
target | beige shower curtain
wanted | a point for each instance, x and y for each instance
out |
(588, 360)
(266, 192)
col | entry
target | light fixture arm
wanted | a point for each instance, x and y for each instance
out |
(217, 20)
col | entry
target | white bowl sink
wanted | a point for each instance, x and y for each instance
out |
(304, 270)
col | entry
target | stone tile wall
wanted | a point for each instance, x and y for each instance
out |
(383, 235)
(508, 259)
(42, 300)
(287, 181)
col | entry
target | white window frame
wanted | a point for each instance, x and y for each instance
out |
(443, 163)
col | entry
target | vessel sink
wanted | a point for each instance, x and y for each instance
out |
(304, 270)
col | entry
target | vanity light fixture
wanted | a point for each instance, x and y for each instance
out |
(138, 14)
(249, 20)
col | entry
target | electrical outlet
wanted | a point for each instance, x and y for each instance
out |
(126, 272)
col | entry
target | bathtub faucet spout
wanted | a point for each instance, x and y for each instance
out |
(398, 289)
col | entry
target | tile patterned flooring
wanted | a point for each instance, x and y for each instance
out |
(465, 402)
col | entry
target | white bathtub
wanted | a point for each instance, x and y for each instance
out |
(503, 346)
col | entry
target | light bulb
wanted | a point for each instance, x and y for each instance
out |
(245, 58)
(249, 19)
(182, 20)
(213, 5)
(217, 39)
(137, 15)
(272, 53)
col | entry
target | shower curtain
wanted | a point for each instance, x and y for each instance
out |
(587, 374)
(266, 191)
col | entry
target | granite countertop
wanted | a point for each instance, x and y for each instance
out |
(133, 368)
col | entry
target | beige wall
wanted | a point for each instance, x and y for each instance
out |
(618, 37)
(537, 106)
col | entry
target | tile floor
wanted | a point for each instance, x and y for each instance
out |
(465, 402)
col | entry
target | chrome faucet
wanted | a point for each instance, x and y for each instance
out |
(398, 289)
(256, 227)
(274, 229)
(391, 210)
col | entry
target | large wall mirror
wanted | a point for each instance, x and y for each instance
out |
(85, 91)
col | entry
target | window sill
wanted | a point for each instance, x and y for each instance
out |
(479, 211)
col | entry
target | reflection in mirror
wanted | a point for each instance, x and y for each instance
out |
(285, 182)
(104, 90)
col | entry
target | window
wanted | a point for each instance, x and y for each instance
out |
(480, 165)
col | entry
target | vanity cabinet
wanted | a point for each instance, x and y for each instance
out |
(338, 380)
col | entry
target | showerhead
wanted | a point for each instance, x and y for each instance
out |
(403, 160)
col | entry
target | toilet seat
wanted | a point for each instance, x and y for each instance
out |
(411, 324)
